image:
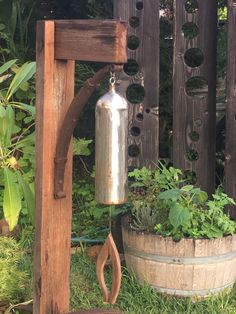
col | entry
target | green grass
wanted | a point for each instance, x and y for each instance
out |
(136, 298)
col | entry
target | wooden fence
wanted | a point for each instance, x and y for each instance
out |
(194, 87)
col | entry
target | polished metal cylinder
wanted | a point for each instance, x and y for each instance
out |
(111, 148)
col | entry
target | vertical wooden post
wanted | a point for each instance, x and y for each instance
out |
(230, 141)
(143, 139)
(194, 116)
(55, 90)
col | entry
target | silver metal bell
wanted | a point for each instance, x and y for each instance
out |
(111, 148)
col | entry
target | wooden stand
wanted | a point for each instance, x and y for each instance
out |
(59, 43)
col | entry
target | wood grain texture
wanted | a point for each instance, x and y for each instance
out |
(54, 92)
(230, 149)
(192, 114)
(147, 57)
(188, 268)
(91, 40)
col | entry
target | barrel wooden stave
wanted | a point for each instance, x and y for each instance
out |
(190, 267)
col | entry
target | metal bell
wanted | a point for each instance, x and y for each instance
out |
(111, 130)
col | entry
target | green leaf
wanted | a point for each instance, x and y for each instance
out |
(2, 112)
(28, 196)
(201, 197)
(27, 141)
(7, 66)
(179, 215)
(2, 27)
(187, 188)
(172, 194)
(22, 106)
(24, 86)
(6, 125)
(26, 71)
(80, 147)
(11, 199)
(11, 121)
(137, 185)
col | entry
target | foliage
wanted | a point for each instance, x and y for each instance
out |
(89, 217)
(16, 142)
(136, 297)
(191, 214)
(147, 208)
(160, 202)
(13, 279)
(80, 147)
(15, 18)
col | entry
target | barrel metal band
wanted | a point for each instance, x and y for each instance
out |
(193, 293)
(179, 260)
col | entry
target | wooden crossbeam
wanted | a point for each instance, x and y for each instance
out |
(91, 40)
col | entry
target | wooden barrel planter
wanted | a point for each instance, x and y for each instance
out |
(188, 268)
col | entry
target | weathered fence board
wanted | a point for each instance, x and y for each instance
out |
(143, 139)
(230, 149)
(194, 116)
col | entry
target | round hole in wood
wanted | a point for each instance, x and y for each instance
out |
(192, 155)
(197, 87)
(193, 57)
(139, 5)
(135, 131)
(139, 116)
(134, 21)
(135, 93)
(190, 30)
(191, 6)
(194, 136)
(147, 110)
(133, 42)
(190, 177)
(131, 67)
(198, 122)
(133, 150)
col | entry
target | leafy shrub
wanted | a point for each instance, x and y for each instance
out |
(16, 141)
(191, 214)
(147, 207)
(160, 203)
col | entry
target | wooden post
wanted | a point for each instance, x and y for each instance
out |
(230, 139)
(57, 43)
(195, 27)
(55, 90)
(143, 29)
